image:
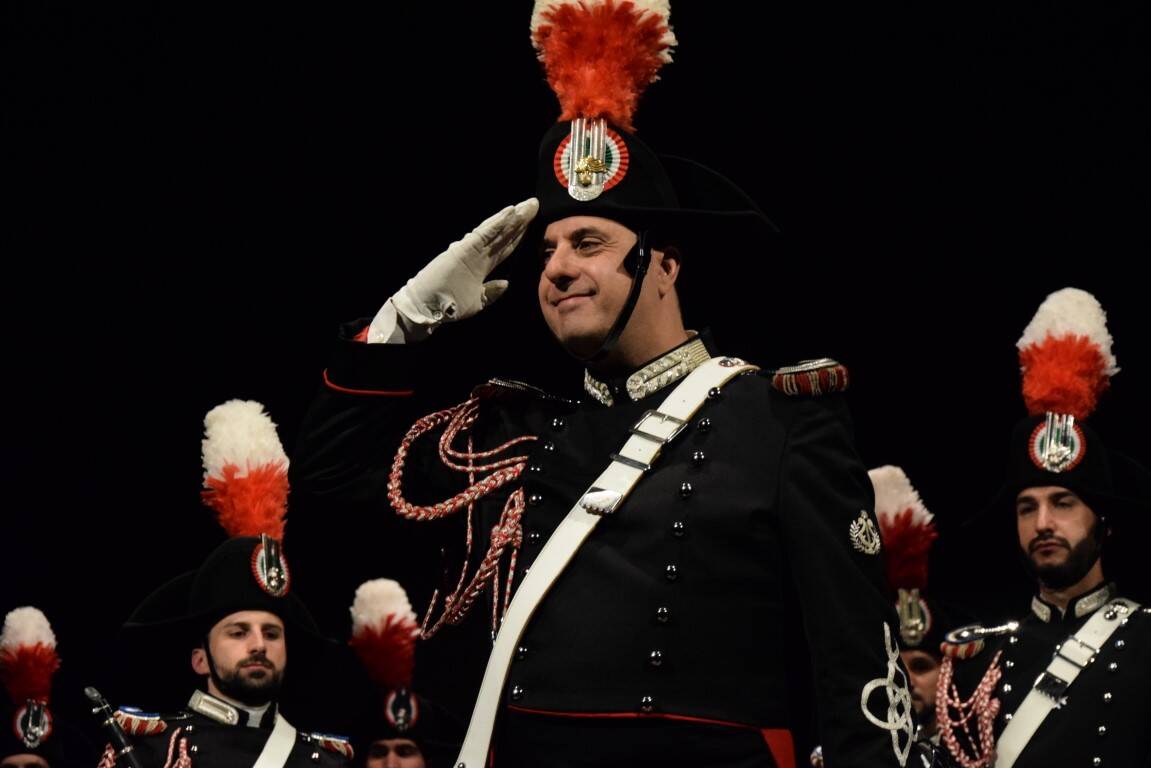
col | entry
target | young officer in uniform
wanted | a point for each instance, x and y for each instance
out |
(1069, 684)
(235, 620)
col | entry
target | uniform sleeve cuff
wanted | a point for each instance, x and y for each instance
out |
(374, 369)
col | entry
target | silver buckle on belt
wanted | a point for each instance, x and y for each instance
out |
(627, 462)
(638, 427)
(1080, 653)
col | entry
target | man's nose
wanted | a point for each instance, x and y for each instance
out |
(1044, 518)
(560, 266)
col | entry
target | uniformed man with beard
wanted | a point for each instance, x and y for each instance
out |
(237, 635)
(1069, 684)
(233, 619)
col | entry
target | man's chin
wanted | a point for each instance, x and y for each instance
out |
(252, 690)
(1044, 564)
(1055, 575)
(580, 345)
(259, 680)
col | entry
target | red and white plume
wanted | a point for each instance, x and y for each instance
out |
(384, 632)
(905, 525)
(245, 470)
(600, 55)
(28, 655)
(1065, 355)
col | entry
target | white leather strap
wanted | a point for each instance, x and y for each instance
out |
(649, 435)
(1049, 692)
(279, 745)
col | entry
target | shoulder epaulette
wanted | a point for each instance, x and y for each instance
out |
(338, 744)
(811, 378)
(135, 722)
(968, 641)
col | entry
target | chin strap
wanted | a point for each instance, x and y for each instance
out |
(636, 262)
(212, 674)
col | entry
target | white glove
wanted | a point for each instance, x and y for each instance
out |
(451, 287)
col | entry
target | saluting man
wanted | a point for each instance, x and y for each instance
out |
(641, 549)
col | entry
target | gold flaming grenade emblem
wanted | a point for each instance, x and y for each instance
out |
(587, 167)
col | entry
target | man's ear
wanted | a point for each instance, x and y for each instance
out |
(200, 661)
(666, 265)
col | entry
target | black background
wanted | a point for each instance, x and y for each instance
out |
(199, 193)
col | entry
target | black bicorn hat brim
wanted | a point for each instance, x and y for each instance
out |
(1116, 487)
(674, 196)
(177, 617)
(65, 746)
(193, 602)
(437, 730)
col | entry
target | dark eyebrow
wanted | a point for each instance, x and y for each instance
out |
(583, 232)
(578, 234)
(1063, 495)
(239, 624)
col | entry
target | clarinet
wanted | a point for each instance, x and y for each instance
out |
(125, 754)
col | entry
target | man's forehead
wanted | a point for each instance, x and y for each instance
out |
(566, 227)
(32, 761)
(251, 618)
(1044, 492)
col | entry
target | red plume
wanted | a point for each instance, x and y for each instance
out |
(1065, 353)
(1063, 375)
(27, 655)
(250, 504)
(387, 652)
(245, 470)
(905, 525)
(908, 543)
(27, 671)
(384, 632)
(600, 56)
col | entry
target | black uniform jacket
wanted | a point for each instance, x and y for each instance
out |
(732, 562)
(1106, 719)
(212, 733)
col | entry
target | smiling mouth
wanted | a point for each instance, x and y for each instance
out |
(563, 299)
(570, 302)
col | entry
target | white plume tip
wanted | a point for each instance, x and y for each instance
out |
(1071, 311)
(240, 432)
(26, 626)
(377, 599)
(894, 494)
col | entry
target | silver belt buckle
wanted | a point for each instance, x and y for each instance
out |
(678, 425)
(1077, 652)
